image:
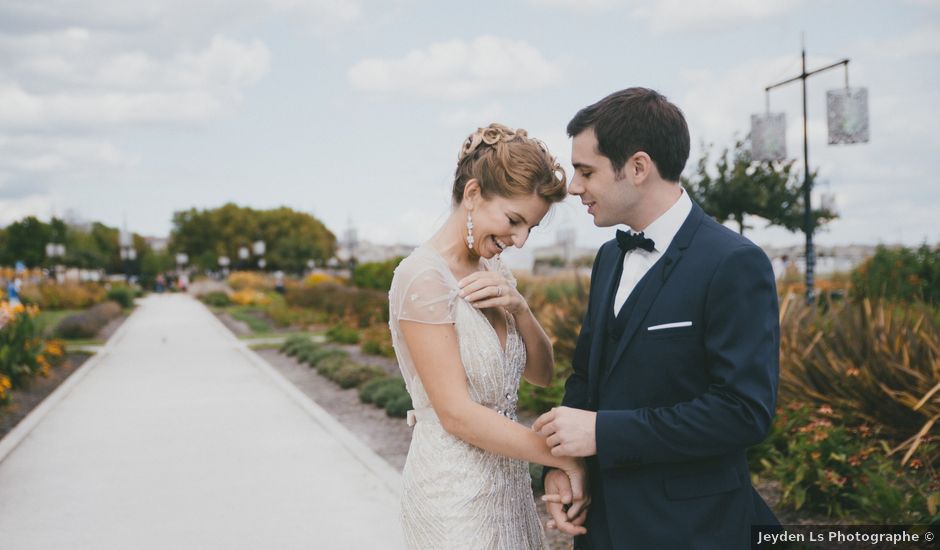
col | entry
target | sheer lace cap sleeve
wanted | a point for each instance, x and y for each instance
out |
(423, 291)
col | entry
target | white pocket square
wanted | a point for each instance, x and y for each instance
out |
(671, 325)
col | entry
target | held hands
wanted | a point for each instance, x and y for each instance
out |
(485, 289)
(568, 432)
(567, 500)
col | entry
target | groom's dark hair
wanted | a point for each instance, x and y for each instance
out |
(637, 119)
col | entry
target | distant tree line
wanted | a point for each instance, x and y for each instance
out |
(291, 238)
(93, 246)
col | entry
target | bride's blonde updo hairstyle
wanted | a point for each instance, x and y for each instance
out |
(508, 163)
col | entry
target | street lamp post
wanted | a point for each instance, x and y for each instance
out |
(259, 248)
(224, 263)
(53, 251)
(243, 255)
(808, 222)
(128, 253)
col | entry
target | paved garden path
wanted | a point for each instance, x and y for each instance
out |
(177, 436)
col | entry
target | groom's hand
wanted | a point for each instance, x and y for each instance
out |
(567, 516)
(568, 432)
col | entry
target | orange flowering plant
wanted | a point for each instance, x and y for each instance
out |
(826, 464)
(23, 353)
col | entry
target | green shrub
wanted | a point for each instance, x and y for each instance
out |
(377, 340)
(328, 366)
(535, 474)
(375, 275)
(399, 406)
(122, 295)
(368, 391)
(536, 399)
(351, 375)
(339, 302)
(900, 274)
(387, 394)
(216, 299)
(295, 343)
(296, 350)
(282, 314)
(318, 354)
(88, 323)
(342, 334)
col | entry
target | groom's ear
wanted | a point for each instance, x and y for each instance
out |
(641, 167)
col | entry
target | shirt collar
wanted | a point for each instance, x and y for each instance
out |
(664, 228)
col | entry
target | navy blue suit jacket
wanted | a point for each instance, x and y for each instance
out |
(678, 407)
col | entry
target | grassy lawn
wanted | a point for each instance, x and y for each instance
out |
(251, 316)
(83, 342)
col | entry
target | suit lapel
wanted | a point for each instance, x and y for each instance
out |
(657, 277)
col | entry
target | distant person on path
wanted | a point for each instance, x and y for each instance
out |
(675, 371)
(13, 292)
(464, 336)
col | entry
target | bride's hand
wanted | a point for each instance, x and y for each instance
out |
(567, 498)
(568, 515)
(485, 289)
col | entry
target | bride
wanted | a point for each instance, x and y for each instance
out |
(463, 337)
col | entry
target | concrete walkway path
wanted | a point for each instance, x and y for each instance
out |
(177, 436)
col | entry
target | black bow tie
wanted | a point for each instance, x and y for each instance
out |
(629, 241)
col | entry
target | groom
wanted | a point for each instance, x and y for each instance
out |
(676, 366)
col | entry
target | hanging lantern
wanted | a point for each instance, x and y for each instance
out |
(847, 113)
(769, 136)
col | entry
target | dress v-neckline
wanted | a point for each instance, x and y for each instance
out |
(503, 347)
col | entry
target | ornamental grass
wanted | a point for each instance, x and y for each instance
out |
(877, 362)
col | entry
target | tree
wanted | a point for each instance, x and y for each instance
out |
(743, 187)
(292, 237)
(25, 241)
(92, 248)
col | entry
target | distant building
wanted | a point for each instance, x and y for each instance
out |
(829, 259)
(157, 244)
(365, 251)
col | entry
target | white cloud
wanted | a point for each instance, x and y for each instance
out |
(44, 154)
(459, 70)
(22, 109)
(93, 85)
(12, 210)
(176, 17)
(586, 6)
(471, 119)
(669, 16)
(920, 42)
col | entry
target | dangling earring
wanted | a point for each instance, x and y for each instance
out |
(469, 231)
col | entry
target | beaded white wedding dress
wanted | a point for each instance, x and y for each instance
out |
(456, 495)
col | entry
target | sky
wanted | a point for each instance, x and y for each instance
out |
(114, 110)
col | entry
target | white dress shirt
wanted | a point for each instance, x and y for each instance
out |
(638, 261)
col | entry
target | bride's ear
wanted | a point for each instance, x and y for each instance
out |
(471, 193)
